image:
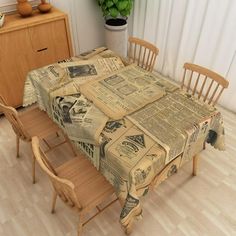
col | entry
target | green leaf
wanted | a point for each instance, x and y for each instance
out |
(129, 7)
(104, 7)
(114, 12)
(122, 5)
(106, 13)
(109, 3)
(125, 13)
(100, 2)
(114, 8)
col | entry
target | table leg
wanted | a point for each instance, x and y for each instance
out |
(195, 164)
(122, 201)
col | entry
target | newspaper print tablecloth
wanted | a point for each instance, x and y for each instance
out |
(131, 151)
(124, 91)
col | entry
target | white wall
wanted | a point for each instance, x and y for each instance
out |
(201, 32)
(6, 2)
(86, 22)
(230, 103)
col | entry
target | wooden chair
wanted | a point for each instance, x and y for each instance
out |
(30, 123)
(142, 52)
(204, 84)
(77, 183)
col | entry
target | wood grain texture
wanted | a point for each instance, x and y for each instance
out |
(30, 123)
(14, 65)
(77, 183)
(206, 84)
(15, 22)
(30, 43)
(182, 205)
(142, 52)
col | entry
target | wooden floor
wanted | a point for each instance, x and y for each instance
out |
(183, 205)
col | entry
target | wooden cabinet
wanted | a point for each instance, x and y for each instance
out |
(27, 44)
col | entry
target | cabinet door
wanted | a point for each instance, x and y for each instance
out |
(49, 43)
(14, 65)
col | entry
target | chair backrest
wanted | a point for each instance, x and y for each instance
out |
(12, 116)
(142, 52)
(2, 100)
(204, 83)
(64, 188)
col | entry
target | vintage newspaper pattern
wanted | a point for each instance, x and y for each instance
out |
(165, 83)
(129, 160)
(90, 150)
(196, 136)
(174, 120)
(56, 76)
(83, 71)
(46, 77)
(123, 92)
(30, 96)
(65, 78)
(80, 119)
(92, 53)
(108, 53)
(216, 135)
(210, 129)
(102, 52)
(30, 93)
(130, 156)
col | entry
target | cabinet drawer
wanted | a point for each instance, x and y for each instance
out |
(49, 43)
(169, 170)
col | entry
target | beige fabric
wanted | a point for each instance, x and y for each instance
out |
(131, 151)
(127, 90)
(179, 122)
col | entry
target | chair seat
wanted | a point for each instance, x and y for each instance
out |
(37, 123)
(90, 185)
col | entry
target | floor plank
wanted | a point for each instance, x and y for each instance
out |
(182, 205)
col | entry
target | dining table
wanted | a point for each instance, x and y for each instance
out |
(136, 127)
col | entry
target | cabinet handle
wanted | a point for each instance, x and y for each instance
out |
(42, 49)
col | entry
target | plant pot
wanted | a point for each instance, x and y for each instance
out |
(116, 36)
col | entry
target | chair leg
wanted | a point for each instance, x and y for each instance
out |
(129, 228)
(195, 164)
(122, 201)
(204, 145)
(80, 226)
(70, 144)
(17, 147)
(54, 200)
(33, 170)
(72, 148)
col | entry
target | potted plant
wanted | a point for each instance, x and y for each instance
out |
(116, 13)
